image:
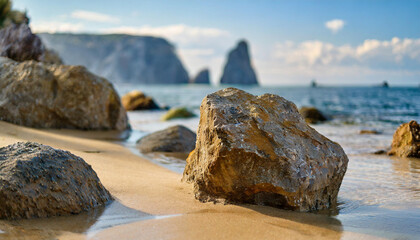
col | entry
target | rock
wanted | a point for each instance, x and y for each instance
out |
(238, 69)
(121, 58)
(203, 77)
(379, 152)
(312, 115)
(173, 139)
(180, 112)
(40, 181)
(51, 57)
(136, 100)
(406, 141)
(18, 43)
(369, 131)
(259, 149)
(34, 94)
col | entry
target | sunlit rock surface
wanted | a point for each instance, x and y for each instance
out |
(137, 100)
(40, 181)
(312, 115)
(238, 68)
(259, 149)
(406, 140)
(40, 95)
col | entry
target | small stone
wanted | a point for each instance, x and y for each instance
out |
(173, 139)
(259, 149)
(180, 112)
(40, 181)
(368, 131)
(406, 141)
(312, 115)
(137, 100)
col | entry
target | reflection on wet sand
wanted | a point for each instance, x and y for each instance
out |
(85, 223)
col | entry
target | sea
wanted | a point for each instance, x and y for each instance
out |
(380, 194)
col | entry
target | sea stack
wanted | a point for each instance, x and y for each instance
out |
(259, 149)
(238, 69)
(203, 77)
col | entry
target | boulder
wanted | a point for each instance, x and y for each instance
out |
(40, 95)
(203, 77)
(180, 112)
(406, 141)
(259, 149)
(136, 100)
(173, 139)
(238, 69)
(312, 115)
(40, 181)
(17, 42)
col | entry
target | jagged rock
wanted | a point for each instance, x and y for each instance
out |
(312, 115)
(18, 43)
(203, 77)
(40, 181)
(406, 140)
(40, 95)
(136, 100)
(51, 57)
(121, 58)
(180, 112)
(173, 139)
(238, 69)
(259, 149)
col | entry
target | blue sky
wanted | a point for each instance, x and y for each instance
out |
(292, 42)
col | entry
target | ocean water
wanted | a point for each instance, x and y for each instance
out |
(379, 196)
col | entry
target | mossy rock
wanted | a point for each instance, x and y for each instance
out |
(180, 112)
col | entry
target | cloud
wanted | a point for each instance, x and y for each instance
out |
(335, 25)
(94, 16)
(54, 26)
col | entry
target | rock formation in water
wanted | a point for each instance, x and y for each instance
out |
(203, 77)
(40, 95)
(238, 69)
(178, 112)
(312, 115)
(40, 181)
(259, 149)
(121, 58)
(17, 42)
(406, 140)
(136, 100)
(173, 139)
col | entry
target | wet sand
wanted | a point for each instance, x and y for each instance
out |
(152, 190)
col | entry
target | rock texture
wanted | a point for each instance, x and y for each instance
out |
(259, 149)
(173, 139)
(312, 115)
(406, 140)
(18, 43)
(203, 77)
(51, 57)
(238, 69)
(34, 94)
(40, 181)
(121, 58)
(136, 100)
(180, 112)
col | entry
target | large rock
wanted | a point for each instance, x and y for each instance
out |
(312, 115)
(40, 181)
(136, 100)
(238, 69)
(203, 77)
(18, 43)
(406, 140)
(259, 149)
(51, 57)
(57, 96)
(121, 58)
(173, 139)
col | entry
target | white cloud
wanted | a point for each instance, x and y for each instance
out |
(54, 26)
(335, 25)
(94, 16)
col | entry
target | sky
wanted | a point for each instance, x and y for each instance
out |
(347, 42)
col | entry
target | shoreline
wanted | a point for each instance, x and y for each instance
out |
(139, 184)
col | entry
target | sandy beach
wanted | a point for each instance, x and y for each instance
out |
(138, 184)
